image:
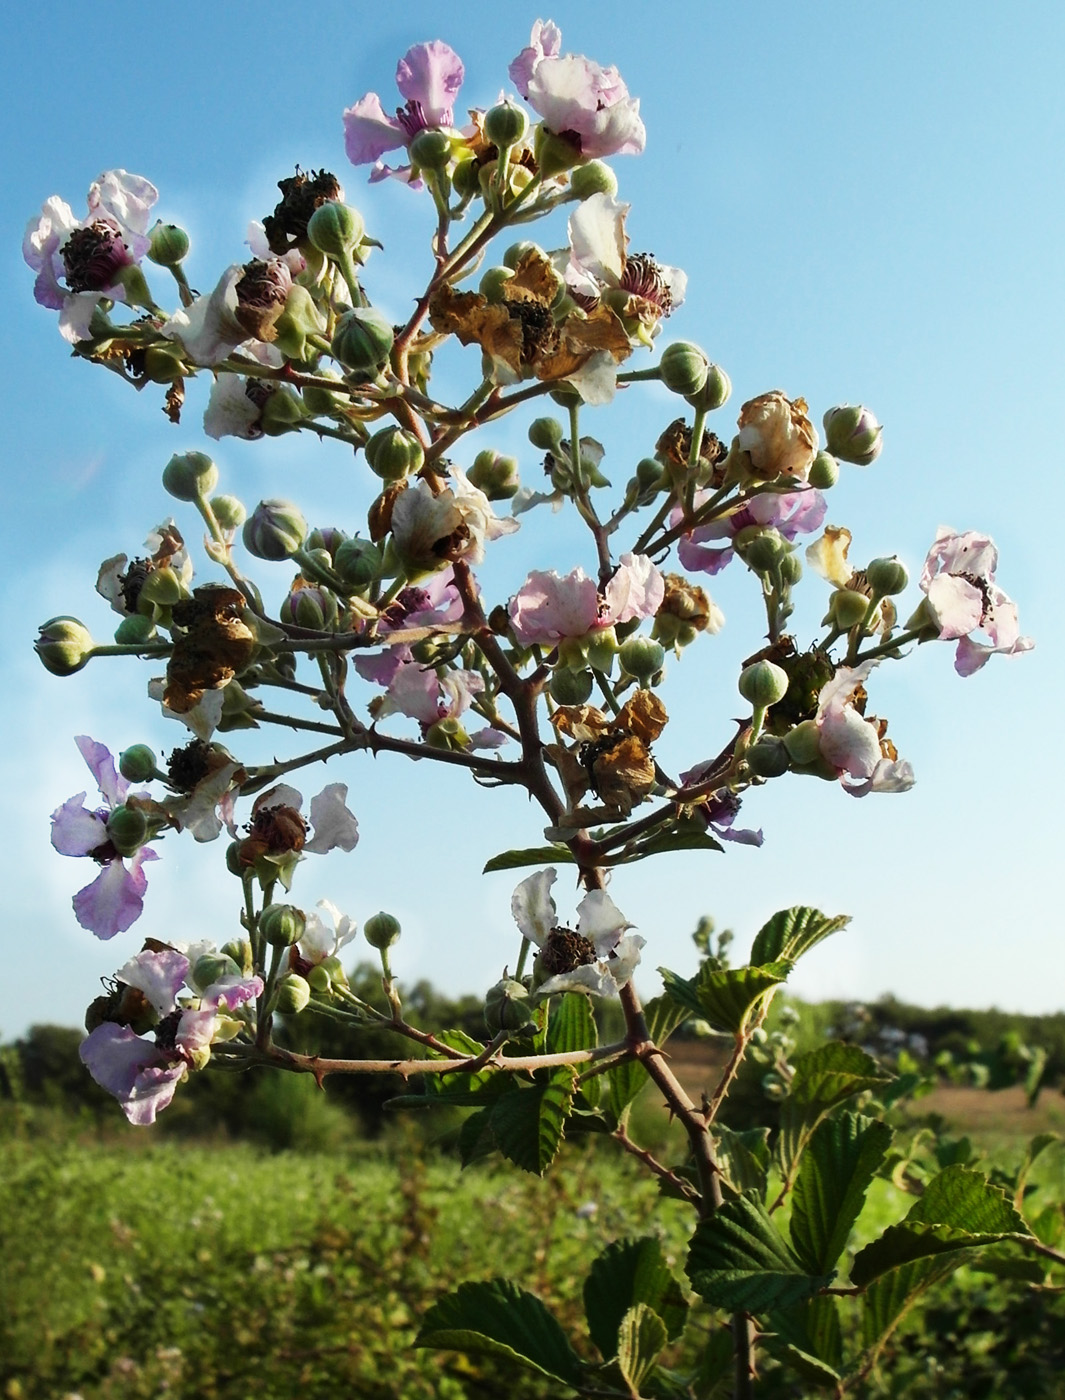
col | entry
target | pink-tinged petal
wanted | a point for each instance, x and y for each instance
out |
(791, 512)
(533, 908)
(135, 1071)
(383, 668)
(626, 958)
(547, 608)
(968, 553)
(545, 42)
(635, 591)
(457, 689)
(115, 899)
(75, 830)
(198, 813)
(414, 692)
(601, 921)
(280, 796)
(849, 742)
(702, 559)
(124, 198)
(231, 992)
(368, 133)
(957, 605)
(230, 412)
(334, 825)
(594, 979)
(113, 787)
(431, 75)
(195, 1031)
(971, 656)
(76, 314)
(160, 976)
(597, 238)
(209, 329)
(573, 94)
(597, 379)
(488, 738)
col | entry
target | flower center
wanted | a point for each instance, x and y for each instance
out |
(644, 278)
(411, 117)
(980, 584)
(565, 950)
(189, 765)
(301, 194)
(93, 255)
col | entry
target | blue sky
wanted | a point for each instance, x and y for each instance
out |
(868, 202)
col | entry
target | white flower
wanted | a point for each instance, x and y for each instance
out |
(598, 958)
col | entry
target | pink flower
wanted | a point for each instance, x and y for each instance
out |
(548, 608)
(92, 255)
(115, 899)
(958, 580)
(851, 743)
(577, 98)
(422, 693)
(791, 512)
(429, 77)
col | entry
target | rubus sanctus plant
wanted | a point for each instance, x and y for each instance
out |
(556, 689)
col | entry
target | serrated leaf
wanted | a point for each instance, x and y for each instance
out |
(476, 1140)
(743, 1158)
(528, 1125)
(572, 1025)
(641, 1336)
(675, 840)
(626, 1273)
(724, 998)
(793, 932)
(1014, 1269)
(531, 855)
(840, 1161)
(484, 1089)
(626, 1080)
(499, 1318)
(823, 1078)
(890, 1297)
(813, 1328)
(739, 1260)
(909, 1242)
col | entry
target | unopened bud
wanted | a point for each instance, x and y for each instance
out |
(293, 994)
(282, 925)
(430, 149)
(506, 124)
(274, 530)
(846, 608)
(649, 473)
(517, 251)
(64, 645)
(358, 562)
(684, 367)
(127, 829)
(335, 228)
(803, 743)
(393, 453)
(363, 340)
(790, 570)
(642, 657)
(763, 683)
(761, 548)
(189, 476)
(853, 434)
(824, 471)
(495, 474)
(506, 1007)
(381, 930)
(887, 576)
(715, 393)
(768, 758)
(230, 512)
(492, 283)
(281, 411)
(570, 687)
(168, 245)
(137, 763)
(135, 630)
(593, 178)
(212, 967)
(314, 608)
(546, 434)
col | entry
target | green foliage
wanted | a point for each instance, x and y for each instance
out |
(739, 1260)
(726, 998)
(499, 1318)
(631, 1273)
(839, 1163)
(793, 932)
(823, 1079)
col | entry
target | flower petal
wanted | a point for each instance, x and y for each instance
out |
(533, 908)
(334, 826)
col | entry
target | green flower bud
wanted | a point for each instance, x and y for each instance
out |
(234, 864)
(887, 576)
(293, 994)
(642, 657)
(761, 548)
(466, 178)
(282, 410)
(790, 570)
(649, 473)
(135, 630)
(763, 683)
(846, 608)
(137, 763)
(684, 367)
(853, 434)
(127, 829)
(601, 649)
(492, 283)
(212, 967)
(320, 979)
(363, 339)
(593, 178)
(768, 758)
(230, 512)
(430, 149)
(190, 476)
(282, 925)
(335, 228)
(299, 320)
(164, 363)
(570, 687)
(715, 393)
(239, 949)
(506, 1007)
(381, 930)
(323, 401)
(394, 452)
(803, 743)
(168, 245)
(64, 645)
(517, 251)
(358, 562)
(506, 124)
(315, 608)
(495, 475)
(824, 471)
(274, 530)
(546, 434)
(566, 396)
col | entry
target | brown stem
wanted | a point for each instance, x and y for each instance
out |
(683, 1187)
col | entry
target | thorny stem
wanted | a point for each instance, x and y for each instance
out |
(678, 1184)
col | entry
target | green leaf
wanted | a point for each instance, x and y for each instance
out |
(499, 1318)
(724, 998)
(793, 932)
(890, 1297)
(675, 840)
(839, 1163)
(532, 855)
(813, 1330)
(739, 1260)
(641, 1337)
(744, 1159)
(528, 1125)
(476, 1139)
(626, 1080)
(823, 1078)
(572, 1025)
(629, 1272)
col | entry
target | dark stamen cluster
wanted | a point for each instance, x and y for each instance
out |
(133, 580)
(190, 765)
(643, 278)
(301, 194)
(565, 950)
(92, 256)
